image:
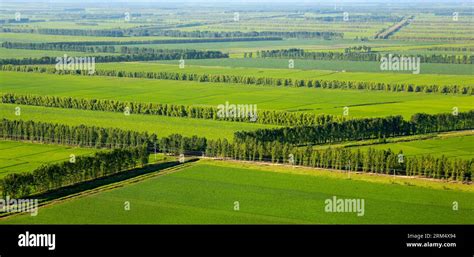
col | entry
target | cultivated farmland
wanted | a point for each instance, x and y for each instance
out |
(318, 101)
(206, 193)
(241, 113)
(24, 157)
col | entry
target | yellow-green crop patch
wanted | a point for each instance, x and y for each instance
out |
(17, 157)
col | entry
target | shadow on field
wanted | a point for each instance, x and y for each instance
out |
(122, 176)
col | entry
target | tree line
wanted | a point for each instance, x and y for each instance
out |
(84, 168)
(69, 32)
(251, 80)
(59, 47)
(282, 118)
(451, 48)
(387, 32)
(251, 149)
(351, 55)
(373, 161)
(302, 54)
(432, 38)
(97, 137)
(126, 50)
(236, 34)
(172, 41)
(354, 18)
(176, 33)
(186, 53)
(360, 129)
(156, 55)
(358, 49)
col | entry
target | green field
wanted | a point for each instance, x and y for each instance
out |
(438, 27)
(231, 47)
(206, 193)
(238, 48)
(65, 24)
(231, 66)
(16, 157)
(451, 147)
(160, 125)
(225, 191)
(26, 53)
(319, 101)
(334, 65)
(39, 38)
(304, 23)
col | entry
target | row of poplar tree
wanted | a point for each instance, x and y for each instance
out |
(59, 47)
(150, 31)
(126, 50)
(370, 160)
(247, 149)
(172, 110)
(80, 169)
(129, 149)
(170, 41)
(360, 129)
(251, 80)
(164, 55)
(97, 137)
(234, 34)
(363, 56)
(251, 149)
(70, 32)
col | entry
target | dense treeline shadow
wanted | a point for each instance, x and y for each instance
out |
(122, 176)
